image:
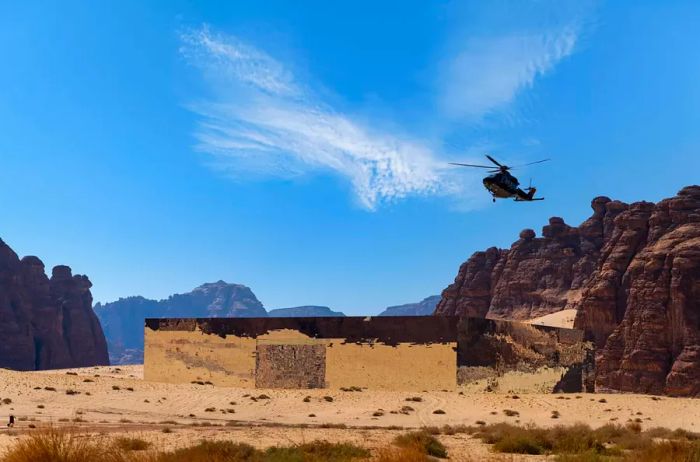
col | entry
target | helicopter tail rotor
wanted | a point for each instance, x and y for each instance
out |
(531, 192)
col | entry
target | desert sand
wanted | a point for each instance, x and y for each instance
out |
(114, 400)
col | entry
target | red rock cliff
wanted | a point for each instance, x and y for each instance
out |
(536, 276)
(46, 323)
(631, 271)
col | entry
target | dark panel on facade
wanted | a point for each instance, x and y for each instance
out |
(290, 366)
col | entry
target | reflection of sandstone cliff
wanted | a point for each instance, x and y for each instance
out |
(631, 271)
(46, 323)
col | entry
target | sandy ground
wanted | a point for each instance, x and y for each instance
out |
(563, 318)
(116, 400)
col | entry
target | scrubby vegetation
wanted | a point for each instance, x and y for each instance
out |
(575, 443)
(422, 441)
(581, 443)
(64, 446)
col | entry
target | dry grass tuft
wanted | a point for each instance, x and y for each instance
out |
(408, 454)
(422, 441)
(54, 445)
(131, 444)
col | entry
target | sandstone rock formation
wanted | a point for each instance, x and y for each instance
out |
(536, 276)
(631, 271)
(46, 323)
(651, 307)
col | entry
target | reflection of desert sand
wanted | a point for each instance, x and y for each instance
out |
(563, 318)
(189, 356)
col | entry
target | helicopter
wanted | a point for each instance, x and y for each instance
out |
(503, 185)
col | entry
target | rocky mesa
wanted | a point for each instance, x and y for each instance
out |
(46, 323)
(632, 272)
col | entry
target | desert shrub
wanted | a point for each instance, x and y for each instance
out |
(423, 441)
(131, 444)
(519, 444)
(667, 451)
(575, 439)
(580, 443)
(333, 425)
(225, 451)
(213, 451)
(317, 451)
(409, 454)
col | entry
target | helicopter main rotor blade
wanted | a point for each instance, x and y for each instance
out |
(470, 165)
(531, 163)
(495, 161)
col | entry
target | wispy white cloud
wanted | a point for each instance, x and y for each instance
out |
(487, 73)
(263, 120)
(268, 123)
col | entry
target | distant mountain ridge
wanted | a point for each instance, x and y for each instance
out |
(304, 311)
(425, 307)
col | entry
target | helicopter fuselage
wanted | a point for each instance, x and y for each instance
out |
(502, 185)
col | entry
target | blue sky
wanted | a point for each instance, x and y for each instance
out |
(302, 148)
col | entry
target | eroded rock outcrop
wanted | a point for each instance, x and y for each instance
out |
(46, 323)
(653, 304)
(632, 272)
(536, 276)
